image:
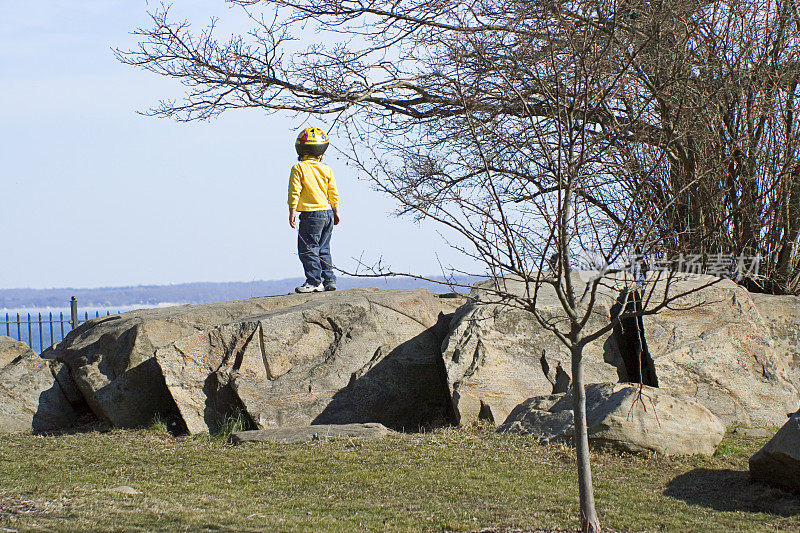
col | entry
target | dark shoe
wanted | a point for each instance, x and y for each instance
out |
(330, 287)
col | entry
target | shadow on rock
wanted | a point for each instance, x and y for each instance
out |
(135, 397)
(404, 391)
(731, 491)
(637, 363)
(222, 408)
(53, 412)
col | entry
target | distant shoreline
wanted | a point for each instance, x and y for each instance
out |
(83, 309)
(134, 297)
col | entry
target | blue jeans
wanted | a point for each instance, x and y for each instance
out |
(314, 246)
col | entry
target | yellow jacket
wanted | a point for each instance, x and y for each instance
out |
(312, 186)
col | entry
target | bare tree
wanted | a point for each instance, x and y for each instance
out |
(531, 191)
(538, 132)
(711, 92)
(724, 77)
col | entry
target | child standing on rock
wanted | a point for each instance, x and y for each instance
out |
(312, 192)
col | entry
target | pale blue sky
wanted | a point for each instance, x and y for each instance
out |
(92, 194)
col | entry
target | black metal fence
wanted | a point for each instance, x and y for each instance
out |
(40, 331)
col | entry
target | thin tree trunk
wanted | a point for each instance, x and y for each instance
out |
(589, 520)
(786, 256)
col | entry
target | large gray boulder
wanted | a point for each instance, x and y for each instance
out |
(359, 355)
(711, 345)
(624, 417)
(782, 315)
(778, 462)
(111, 359)
(715, 346)
(31, 398)
(497, 354)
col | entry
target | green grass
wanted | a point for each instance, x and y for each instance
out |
(233, 424)
(158, 425)
(453, 479)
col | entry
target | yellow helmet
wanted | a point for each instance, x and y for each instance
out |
(311, 141)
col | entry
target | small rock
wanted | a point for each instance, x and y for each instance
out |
(123, 489)
(369, 431)
(752, 432)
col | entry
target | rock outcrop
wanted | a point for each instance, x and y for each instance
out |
(359, 355)
(31, 398)
(711, 345)
(497, 355)
(778, 462)
(714, 346)
(782, 315)
(403, 358)
(618, 416)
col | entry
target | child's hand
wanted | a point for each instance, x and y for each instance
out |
(292, 223)
(336, 217)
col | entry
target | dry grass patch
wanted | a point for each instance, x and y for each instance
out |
(452, 479)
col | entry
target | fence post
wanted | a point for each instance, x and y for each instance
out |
(73, 307)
